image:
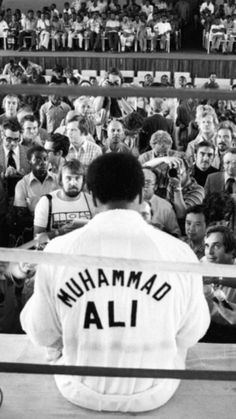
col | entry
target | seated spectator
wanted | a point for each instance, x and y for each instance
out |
(30, 188)
(217, 35)
(162, 30)
(165, 81)
(207, 5)
(29, 26)
(52, 112)
(112, 29)
(76, 31)
(115, 138)
(93, 27)
(57, 147)
(56, 31)
(3, 30)
(141, 33)
(65, 209)
(127, 34)
(9, 68)
(13, 160)
(10, 106)
(202, 167)
(163, 215)
(195, 229)
(220, 248)
(207, 122)
(224, 181)
(153, 123)
(44, 31)
(81, 149)
(211, 84)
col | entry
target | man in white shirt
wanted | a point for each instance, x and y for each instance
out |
(117, 316)
(3, 28)
(207, 5)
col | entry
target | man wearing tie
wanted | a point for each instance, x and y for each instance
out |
(13, 160)
(224, 181)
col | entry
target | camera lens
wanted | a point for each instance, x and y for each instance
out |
(173, 172)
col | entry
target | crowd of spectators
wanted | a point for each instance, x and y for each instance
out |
(97, 25)
(47, 144)
(219, 24)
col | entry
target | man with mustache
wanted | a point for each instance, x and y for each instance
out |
(66, 208)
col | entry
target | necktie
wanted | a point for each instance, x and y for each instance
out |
(11, 161)
(229, 185)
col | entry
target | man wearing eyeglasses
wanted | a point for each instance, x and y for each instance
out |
(13, 159)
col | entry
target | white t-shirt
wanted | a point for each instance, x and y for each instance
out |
(63, 212)
(117, 316)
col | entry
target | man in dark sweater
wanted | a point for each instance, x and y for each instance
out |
(204, 156)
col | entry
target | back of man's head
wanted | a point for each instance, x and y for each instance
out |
(115, 177)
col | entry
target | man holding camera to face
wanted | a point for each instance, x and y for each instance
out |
(182, 190)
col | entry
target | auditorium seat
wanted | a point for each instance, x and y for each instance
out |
(86, 74)
(177, 75)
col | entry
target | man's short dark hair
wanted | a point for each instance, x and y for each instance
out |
(12, 125)
(30, 118)
(34, 149)
(229, 241)
(115, 177)
(204, 143)
(75, 167)
(196, 209)
(60, 143)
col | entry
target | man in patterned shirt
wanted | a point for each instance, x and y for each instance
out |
(81, 149)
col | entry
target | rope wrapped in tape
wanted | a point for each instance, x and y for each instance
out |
(42, 89)
(35, 257)
(209, 375)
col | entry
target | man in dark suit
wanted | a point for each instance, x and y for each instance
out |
(13, 159)
(152, 124)
(224, 181)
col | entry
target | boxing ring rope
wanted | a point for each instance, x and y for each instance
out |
(35, 257)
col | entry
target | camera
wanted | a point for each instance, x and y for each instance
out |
(173, 172)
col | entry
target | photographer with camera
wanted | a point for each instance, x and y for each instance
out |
(182, 190)
(115, 108)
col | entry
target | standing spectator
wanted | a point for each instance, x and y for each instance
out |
(195, 229)
(57, 147)
(202, 167)
(163, 215)
(31, 187)
(207, 123)
(13, 160)
(224, 181)
(10, 105)
(69, 207)
(31, 134)
(115, 138)
(52, 112)
(153, 123)
(80, 148)
(220, 248)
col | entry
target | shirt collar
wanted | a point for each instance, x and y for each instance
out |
(16, 150)
(32, 178)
